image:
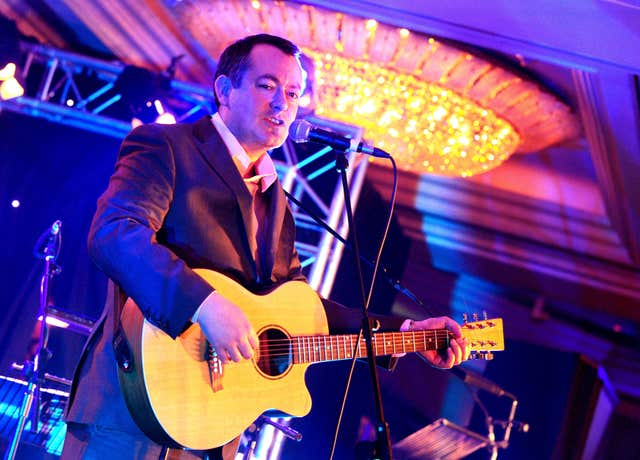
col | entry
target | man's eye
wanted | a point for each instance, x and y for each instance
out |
(266, 86)
(294, 95)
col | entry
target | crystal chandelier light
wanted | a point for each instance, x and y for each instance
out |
(425, 126)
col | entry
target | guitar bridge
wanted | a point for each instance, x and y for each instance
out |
(216, 369)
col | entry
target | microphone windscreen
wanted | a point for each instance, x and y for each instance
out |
(299, 130)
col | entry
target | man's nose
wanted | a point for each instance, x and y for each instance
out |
(279, 100)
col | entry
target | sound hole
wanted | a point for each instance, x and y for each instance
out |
(274, 355)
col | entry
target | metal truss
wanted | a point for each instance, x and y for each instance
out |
(81, 91)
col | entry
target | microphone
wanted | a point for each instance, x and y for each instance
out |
(47, 246)
(303, 131)
(55, 228)
(478, 381)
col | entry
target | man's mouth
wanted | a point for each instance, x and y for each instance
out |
(275, 121)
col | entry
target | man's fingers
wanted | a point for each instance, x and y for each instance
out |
(234, 354)
(451, 358)
(222, 355)
(247, 349)
(467, 349)
(457, 352)
(236, 351)
(453, 326)
(253, 340)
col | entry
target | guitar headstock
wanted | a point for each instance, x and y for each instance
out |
(485, 337)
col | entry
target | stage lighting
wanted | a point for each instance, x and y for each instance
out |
(155, 110)
(10, 87)
(141, 92)
(11, 84)
(164, 117)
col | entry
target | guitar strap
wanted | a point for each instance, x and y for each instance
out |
(121, 347)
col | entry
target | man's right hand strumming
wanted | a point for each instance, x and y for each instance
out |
(227, 328)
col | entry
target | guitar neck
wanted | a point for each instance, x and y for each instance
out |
(314, 349)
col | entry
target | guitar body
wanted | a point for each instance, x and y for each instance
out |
(178, 398)
(181, 395)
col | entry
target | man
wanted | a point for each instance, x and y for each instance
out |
(202, 195)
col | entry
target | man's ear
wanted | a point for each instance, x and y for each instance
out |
(222, 87)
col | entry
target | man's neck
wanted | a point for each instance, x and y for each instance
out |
(255, 155)
(252, 153)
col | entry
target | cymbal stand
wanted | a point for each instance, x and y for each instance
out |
(47, 248)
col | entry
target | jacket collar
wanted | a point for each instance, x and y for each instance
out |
(217, 155)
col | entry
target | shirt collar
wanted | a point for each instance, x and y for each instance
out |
(263, 167)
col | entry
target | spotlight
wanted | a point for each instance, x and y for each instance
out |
(10, 88)
(141, 93)
(11, 85)
(161, 115)
(164, 117)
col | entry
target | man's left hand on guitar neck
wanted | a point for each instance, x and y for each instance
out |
(458, 350)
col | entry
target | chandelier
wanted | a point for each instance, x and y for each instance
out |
(437, 109)
(426, 127)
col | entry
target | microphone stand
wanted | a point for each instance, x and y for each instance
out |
(481, 383)
(382, 449)
(35, 370)
(508, 425)
(391, 280)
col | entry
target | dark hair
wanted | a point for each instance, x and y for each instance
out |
(234, 60)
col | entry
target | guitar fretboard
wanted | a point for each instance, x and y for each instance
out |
(313, 349)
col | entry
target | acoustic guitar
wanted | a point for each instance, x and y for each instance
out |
(181, 395)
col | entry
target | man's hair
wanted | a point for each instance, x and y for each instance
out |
(234, 60)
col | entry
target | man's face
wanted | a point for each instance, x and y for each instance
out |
(260, 111)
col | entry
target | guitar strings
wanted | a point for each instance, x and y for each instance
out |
(301, 347)
(438, 332)
(394, 336)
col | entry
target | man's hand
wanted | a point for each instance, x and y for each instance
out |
(227, 328)
(458, 350)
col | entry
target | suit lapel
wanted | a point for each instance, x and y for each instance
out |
(217, 155)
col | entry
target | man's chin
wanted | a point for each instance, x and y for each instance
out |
(275, 142)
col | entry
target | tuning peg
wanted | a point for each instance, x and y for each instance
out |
(484, 315)
(465, 318)
(475, 317)
(487, 355)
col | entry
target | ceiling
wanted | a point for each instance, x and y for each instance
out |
(562, 223)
